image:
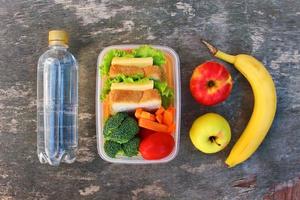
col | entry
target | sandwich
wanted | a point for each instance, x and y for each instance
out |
(135, 80)
(152, 72)
(128, 96)
(130, 100)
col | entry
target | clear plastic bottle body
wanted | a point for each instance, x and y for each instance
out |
(57, 106)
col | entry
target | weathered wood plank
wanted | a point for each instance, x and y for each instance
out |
(269, 29)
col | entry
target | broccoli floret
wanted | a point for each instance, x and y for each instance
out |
(131, 148)
(120, 128)
(112, 148)
(113, 123)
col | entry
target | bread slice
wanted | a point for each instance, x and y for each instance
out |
(129, 100)
(116, 70)
(137, 62)
(153, 72)
(144, 85)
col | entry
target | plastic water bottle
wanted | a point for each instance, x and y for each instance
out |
(57, 102)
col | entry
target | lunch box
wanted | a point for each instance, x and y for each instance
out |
(175, 64)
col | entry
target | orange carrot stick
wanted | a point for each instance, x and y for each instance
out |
(159, 118)
(171, 128)
(160, 111)
(138, 112)
(148, 124)
(168, 117)
(147, 115)
(172, 109)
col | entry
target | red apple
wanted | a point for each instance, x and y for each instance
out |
(210, 83)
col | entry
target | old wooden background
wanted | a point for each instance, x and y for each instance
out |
(267, 29)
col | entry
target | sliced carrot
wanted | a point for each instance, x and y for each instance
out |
(138, 112)
(168, 117)
(147, 115)
(151, 125)
(171, 128)
(160, 111)
(172, 109)
(159, 118)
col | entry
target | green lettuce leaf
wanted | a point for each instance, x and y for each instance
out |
(105, 65)
(167, 93)
(119, 79)
(140, 52)
(148, 51)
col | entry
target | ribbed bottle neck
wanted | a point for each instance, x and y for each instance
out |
(58, 46)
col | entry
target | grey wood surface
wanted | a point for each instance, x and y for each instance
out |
(267, 29)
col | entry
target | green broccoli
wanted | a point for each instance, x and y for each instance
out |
(120, 128)
(113, 123)
(112, 148)
(131, 148)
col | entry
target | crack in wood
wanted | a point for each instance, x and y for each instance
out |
(246, 182)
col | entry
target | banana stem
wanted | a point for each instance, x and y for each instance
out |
(213, 50)
(219, 54)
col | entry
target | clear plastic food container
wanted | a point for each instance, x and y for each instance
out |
(173, 65)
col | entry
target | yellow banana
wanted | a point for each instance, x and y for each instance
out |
(264, 104)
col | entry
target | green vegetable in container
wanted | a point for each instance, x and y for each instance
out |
(140, 52)
(131, 148)
(166, 93)
(105, 65)
(112, 148)
(119, 79)
(148, 51)
(120, 128)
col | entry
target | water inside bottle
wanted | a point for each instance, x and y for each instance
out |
(57, 106)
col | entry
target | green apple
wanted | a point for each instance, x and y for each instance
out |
(210, 133)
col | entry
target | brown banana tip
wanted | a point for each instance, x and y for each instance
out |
(225, 165)
(213, 50)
